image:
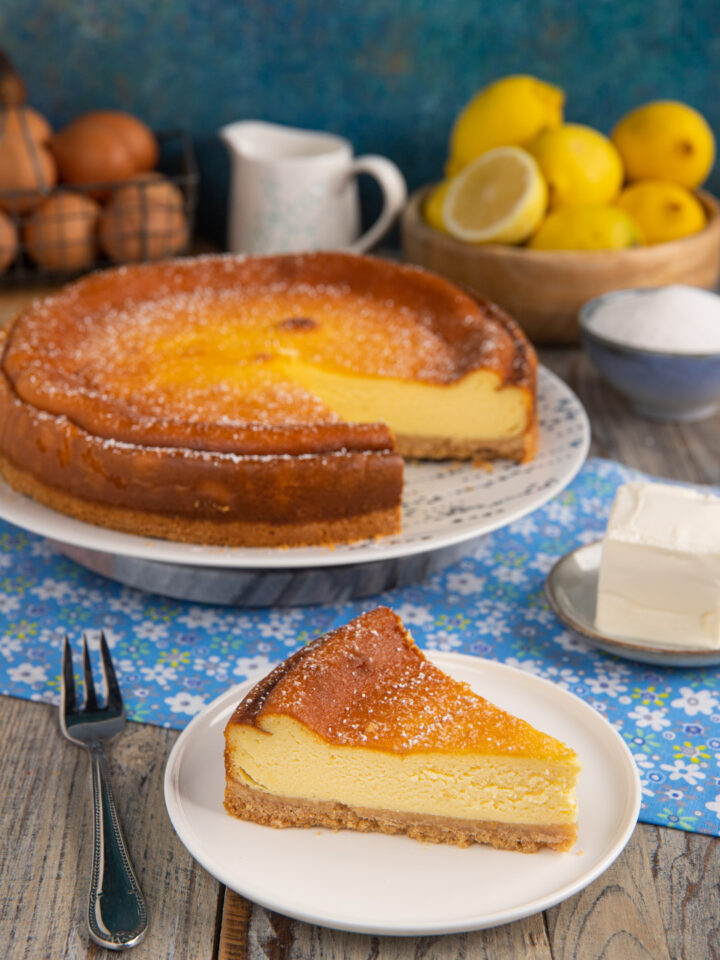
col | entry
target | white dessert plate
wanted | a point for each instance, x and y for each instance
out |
(371, 883)
(571, 588)
(444, 503)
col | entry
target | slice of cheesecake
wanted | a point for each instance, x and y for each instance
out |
(359, 730)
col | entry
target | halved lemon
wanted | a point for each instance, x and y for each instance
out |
(499, 198)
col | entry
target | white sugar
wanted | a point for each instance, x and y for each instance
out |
(675, 319)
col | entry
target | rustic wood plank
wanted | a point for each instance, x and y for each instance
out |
(682, 451)
(703, 445)
(45, 838)
(233, 943)
(617, 917)
(686, 868)
(257, 934)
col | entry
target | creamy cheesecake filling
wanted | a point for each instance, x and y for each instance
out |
(476, 406)
(300, 764)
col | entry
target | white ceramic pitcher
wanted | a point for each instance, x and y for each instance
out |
(294, 190)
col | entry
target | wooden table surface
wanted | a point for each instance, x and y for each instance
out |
(659, 901)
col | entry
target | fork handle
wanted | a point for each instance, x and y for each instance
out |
(117, 916)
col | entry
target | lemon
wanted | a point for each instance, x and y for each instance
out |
(666, 140)
(433, 206)
(581, 166)
(586, 228)
(663, 211)
(509, 112)
(499, 198)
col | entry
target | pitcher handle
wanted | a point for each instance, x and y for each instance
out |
(394, 190)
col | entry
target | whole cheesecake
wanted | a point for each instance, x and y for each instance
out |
(260, 401)
(359, 730)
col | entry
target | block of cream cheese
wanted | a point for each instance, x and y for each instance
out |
(660, 568)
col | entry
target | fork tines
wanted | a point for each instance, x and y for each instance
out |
(91, 702)
(68, 680)
(112, 688)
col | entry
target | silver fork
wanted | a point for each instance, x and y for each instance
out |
(117, 917)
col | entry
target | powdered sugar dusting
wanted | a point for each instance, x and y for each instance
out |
(213, 354)
(214, 340)
(367, 684)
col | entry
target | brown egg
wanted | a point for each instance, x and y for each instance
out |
(27, 122)
(136, 135)
(8, 242)
(144, 221)
(149, 188)
(25, 165)
(91, 154)
(60, 235)
(103, 146)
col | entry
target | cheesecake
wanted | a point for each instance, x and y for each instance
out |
(358, 730)
(263, 402)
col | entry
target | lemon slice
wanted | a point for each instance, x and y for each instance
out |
(499, 198)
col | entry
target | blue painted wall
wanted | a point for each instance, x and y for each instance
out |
(388, 74)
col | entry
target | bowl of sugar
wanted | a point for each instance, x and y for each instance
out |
(659, 347)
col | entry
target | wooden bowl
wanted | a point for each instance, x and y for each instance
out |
(544, 290)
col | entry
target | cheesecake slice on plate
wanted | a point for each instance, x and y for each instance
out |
(358, 730)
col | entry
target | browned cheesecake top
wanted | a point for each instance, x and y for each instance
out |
(367, 684)
(195, 352)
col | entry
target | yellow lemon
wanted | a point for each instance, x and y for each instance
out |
(666, 140)
(499, 198)
(433, 206)
(509, 112)
(663, 211)
(586, 228)
(581, 166)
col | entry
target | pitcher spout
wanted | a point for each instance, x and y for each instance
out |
(236, 136)
(274, 142)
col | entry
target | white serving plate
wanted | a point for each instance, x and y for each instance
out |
(380, 884)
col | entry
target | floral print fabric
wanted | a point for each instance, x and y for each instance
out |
(172, 658)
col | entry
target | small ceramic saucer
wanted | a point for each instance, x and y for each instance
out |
(571, 589)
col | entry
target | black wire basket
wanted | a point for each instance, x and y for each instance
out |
(56, 234)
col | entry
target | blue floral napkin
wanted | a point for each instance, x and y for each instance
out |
(172, 657)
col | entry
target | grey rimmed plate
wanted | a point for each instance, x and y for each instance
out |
(571, 589)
